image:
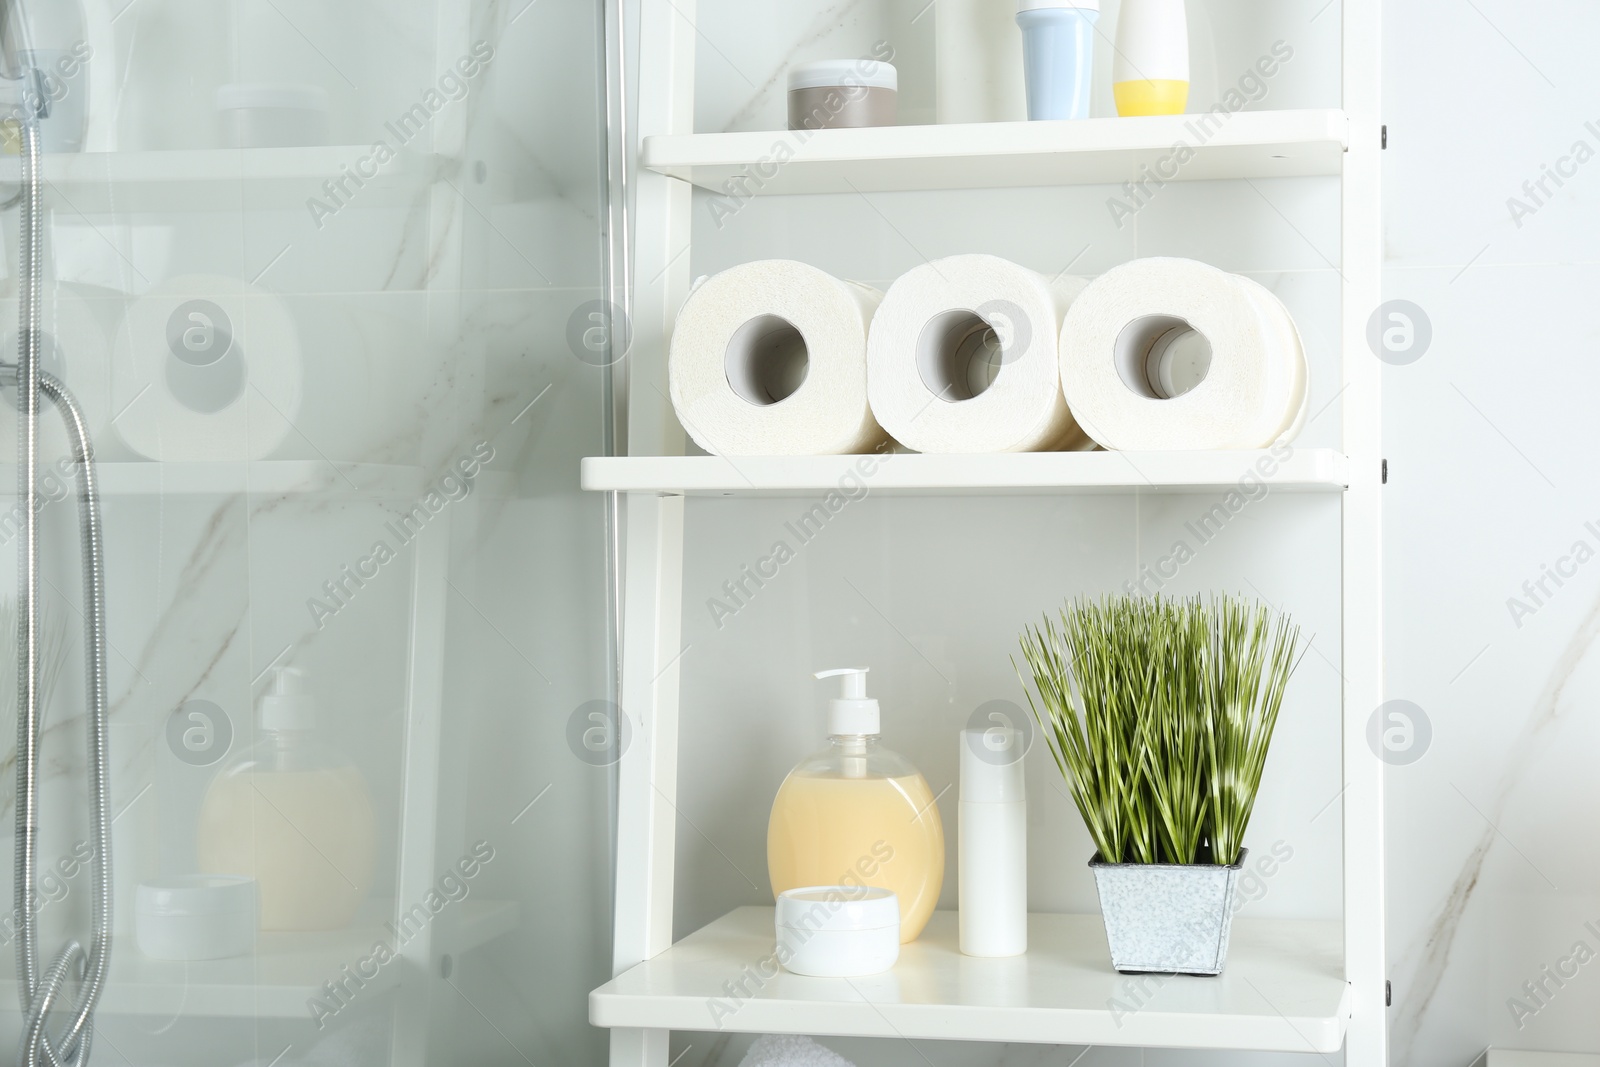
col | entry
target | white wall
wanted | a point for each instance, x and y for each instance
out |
(1494, 870)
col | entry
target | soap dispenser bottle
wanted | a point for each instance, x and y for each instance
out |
(293, 813)
(858, 814)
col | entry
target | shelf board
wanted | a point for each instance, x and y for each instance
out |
(271, 477)
(1283, 990)
(284, 971)
(1011, 473)
(1246, 144)
(217, 179)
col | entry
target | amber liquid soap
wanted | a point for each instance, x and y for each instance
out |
(858, 814)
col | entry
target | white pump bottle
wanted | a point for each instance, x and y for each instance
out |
(992, 868)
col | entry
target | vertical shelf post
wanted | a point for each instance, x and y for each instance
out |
(1362, 538)
(417, 1014)
(652, 540)
(647, 782)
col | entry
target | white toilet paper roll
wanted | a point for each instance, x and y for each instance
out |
(206, 368)
(1282, 323)
(769, 359)
(74, 348)
(1169, 354)
(962, 358)
(350, 387)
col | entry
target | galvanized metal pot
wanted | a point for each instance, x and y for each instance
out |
(1167, 918)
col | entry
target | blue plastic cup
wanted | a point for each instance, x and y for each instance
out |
(1058, 55)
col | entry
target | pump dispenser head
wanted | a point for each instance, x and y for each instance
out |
(287, 705)
(852, 712)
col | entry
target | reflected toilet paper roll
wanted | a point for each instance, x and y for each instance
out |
(962, 358)
(206, 368)
(769, 359)
(73, 347)
(1173, 354)
(357, 369)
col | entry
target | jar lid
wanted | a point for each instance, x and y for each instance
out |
(838, 907)
(196, 894)
(828, 73)
(1045, 5)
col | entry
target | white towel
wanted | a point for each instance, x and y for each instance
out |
(787, 1050)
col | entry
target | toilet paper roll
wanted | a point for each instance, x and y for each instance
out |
(1171, 354)
(962, 358)
(74, 348)
(769, 359)
(1282, 323)
(350, 383)
(206, 368)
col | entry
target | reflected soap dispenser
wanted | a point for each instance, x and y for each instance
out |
(858, 814)
(293, 813)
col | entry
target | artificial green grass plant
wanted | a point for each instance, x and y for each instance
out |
(1159, 713)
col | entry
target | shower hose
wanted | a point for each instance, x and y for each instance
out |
(42, 991)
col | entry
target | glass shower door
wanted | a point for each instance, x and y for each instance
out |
(326, 281)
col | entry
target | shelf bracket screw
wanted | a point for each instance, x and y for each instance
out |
(1384, 139)
(1385, 472)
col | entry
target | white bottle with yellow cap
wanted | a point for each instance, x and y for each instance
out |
(1150, 75)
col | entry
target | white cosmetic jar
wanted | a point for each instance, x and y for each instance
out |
(842, 93)
(838, 931)
(196, 917)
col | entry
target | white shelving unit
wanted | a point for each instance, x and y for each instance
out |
(1011, 473)
(1283, 990)
(284, 970)
(266, 477)
(217, 179)
(1289, 986)
(998, 155)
